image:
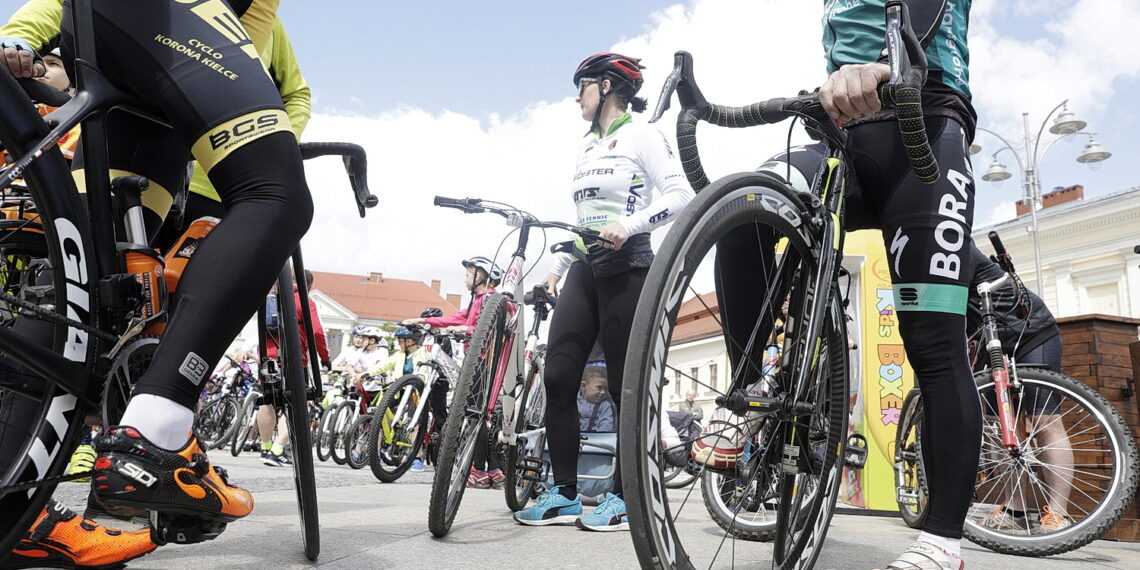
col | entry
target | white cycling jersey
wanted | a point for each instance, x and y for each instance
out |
(616, 179)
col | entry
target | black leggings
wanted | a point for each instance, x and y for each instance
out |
(589, 308)
(926, 231)
(228, 114)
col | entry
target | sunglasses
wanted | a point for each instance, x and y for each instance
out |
(583, 82)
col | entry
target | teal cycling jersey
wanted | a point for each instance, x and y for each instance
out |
(854, 30)
(853, 33)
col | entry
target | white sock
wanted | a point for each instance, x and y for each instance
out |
(164, 422)
(951, 545)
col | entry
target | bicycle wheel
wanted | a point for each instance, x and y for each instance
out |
(356, 444)
(394, 442)
(743, 504)
(677, 477)
(762, 213)
(342, 421)
(294, 400)
(216, 421)
(910, 473)
(324, 433)
(246, 425)
(1076, 458)
(41, 246)
(467, 414)
(523, 458)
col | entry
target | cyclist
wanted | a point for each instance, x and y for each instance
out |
(620, 165)
(273, 449)
(268, 208)
(926, 231)
(370, 355)
(350, 353)
(1037, 340)
(405, 361)
(481, 279)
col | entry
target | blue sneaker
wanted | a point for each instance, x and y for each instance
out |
(417, 465)
(608, 516)
(551, 508)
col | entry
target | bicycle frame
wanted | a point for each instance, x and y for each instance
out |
(440, 361)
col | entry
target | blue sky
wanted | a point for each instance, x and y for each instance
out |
(460, 98)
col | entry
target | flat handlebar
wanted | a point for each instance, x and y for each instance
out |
(516, 217)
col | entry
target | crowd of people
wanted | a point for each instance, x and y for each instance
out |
(628, 182)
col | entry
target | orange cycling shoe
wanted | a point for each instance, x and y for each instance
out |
(133, 475)
(60, 538)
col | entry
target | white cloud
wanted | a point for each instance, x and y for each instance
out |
(745, 50)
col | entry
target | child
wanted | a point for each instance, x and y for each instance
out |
(596, 410)
(482, 277)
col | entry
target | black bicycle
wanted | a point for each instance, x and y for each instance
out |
(802, 414)
(76, 327)
(1058, 462)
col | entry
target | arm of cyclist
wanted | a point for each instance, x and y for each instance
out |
(295, 92)
(561, 264)
(851, 92)
(318, 331)
(31, 27)
(663, 172)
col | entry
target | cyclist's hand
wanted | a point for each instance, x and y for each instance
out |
(20, 59)
(455, 329)
(615, 233)
(550, 283)
(850, 92)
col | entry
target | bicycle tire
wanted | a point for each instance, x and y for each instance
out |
(908, 463)
(468, 412)
(215, 422)
(379, 455)
(530, 414)
(356, 444)
(731, 203)
(245, 423)
(25, 424)
(295, 401)
(323, 436)
(677, 477)
(345, 415)
(1093, 429)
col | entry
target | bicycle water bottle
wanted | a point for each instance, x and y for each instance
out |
(184, 248)
(148, 269)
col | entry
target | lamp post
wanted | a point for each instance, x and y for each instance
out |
(1029, 161)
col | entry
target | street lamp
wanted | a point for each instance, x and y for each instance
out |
(1029, 160)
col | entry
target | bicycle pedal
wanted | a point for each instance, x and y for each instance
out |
(855, 452)
(532, 468)
(182, 529)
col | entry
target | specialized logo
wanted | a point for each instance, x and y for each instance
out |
(898, 243)
(194, 368)
(139, 474)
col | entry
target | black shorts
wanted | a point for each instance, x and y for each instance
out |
(201, 51)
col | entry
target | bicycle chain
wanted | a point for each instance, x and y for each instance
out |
(49, 315)
(48, 481)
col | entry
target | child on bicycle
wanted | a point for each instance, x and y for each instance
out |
(481, 279)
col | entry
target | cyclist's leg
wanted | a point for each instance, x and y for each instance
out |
(573, 331)
(926, 231)
(231, 116)
(617, 301)
(1051, 438)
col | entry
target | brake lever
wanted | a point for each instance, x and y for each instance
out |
(667, 90)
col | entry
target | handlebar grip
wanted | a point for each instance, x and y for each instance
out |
(355, 165)
(1003, 258)
(445, 202)
(906, 99)
(43, 93)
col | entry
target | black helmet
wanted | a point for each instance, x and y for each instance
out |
(623, 71)
(431, 312)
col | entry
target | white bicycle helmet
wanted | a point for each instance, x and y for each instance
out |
(494, 274)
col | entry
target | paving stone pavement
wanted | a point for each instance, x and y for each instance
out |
(367, 524)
